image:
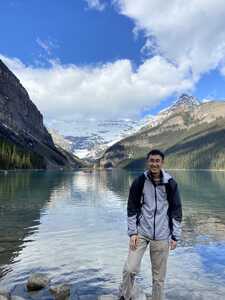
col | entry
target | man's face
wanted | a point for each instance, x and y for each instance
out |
(155, 164)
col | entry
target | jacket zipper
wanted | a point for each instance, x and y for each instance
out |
(155, 211)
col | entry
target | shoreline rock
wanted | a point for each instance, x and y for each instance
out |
(60, 292)
(37, 281)
(38, 286)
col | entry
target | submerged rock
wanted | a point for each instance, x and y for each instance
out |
(60, 292)
(2, 249)
(37, 282)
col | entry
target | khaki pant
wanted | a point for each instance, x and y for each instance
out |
(158, 251)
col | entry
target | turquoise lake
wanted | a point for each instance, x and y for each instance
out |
(72, 227)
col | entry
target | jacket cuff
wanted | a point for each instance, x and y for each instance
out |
(174, 238)
(132, 226)
(131, 234)
(176, 233)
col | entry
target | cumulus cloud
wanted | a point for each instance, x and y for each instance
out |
(189, 33)
(182, 41)
(105, 91)
(96, 4)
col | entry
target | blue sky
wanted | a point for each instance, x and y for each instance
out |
(109, 59)
(79, 34)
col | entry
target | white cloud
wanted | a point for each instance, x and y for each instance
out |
(189, 33)
(96, 4)
(112, 90)
(184, 40)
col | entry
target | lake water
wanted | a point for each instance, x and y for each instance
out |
(72, 227)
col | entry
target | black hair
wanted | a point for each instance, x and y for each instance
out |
(155, 152)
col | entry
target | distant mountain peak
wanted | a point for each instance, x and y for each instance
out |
(186, 100)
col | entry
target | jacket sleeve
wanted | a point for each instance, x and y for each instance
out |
(132, 209)
(176, 212)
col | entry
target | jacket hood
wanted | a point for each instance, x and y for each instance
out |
(166, 176)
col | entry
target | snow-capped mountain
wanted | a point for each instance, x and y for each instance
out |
(182, 104)
(184, 101)
(88, 138)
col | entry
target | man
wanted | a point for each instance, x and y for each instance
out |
(154, 218)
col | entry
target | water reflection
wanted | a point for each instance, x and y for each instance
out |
(23, 196)
(203, 195)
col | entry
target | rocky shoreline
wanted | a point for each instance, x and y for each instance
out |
(39, 287)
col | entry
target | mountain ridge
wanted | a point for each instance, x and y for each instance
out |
(167, 130)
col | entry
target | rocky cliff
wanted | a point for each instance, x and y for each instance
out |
(17, 111)
(22, 129)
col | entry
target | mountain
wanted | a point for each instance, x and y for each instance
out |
(59, 140)
(24, 140)
(191, 134)
(88, 147)
(93, 136)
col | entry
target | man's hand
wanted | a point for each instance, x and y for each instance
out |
(173, 244)
(134, 239)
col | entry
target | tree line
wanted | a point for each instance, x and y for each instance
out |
(14, 157)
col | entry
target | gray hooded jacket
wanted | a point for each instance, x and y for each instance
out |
(154, 210)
